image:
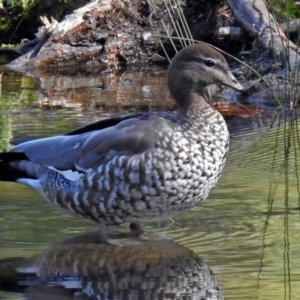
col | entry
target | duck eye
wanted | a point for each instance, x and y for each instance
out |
(209, 63)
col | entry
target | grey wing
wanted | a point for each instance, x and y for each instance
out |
(90, 149)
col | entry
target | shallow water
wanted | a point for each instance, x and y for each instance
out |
(247, 233)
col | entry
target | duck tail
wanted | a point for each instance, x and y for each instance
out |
(9, 170)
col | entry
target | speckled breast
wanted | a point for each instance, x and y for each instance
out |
(156, 184)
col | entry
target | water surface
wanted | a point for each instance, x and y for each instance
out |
(247, 233)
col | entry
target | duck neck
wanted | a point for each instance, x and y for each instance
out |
(194, 109)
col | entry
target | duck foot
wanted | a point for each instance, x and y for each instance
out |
(105, 232)
(137, 231)
(106, 237)
(136, 236)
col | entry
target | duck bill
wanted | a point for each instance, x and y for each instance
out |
(232, 82)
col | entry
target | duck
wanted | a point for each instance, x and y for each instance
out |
(136, 168)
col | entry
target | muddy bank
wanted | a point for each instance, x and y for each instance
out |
(106, 35)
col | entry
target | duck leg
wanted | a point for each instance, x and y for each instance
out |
(136, 229)
(105, 232)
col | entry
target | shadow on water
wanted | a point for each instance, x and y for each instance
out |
(248, 230)
(83, 268)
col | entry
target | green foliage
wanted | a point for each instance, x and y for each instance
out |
(283, 10)
(25, 4)
(3, 23)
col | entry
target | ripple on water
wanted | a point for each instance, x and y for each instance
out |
(247, 231)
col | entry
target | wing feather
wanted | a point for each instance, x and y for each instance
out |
(92, 148)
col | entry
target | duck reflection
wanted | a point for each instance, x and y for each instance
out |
(84, 268)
